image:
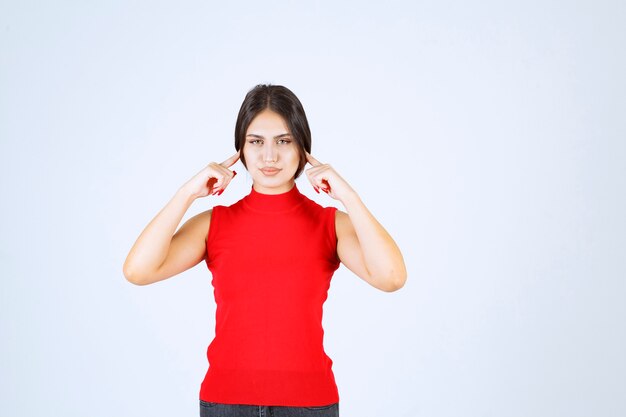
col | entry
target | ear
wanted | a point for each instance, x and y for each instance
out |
(243, 158)
(302, 164)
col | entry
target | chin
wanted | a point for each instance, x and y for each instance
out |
(273, 182)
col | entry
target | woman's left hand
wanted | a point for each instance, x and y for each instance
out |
(324, 177)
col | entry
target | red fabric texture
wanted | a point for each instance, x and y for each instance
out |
(272, 258)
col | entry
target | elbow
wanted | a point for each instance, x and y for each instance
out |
(394, 277)
(132, 277)
(399, 277)
(393, 282)
(396, 284)
(136, 281)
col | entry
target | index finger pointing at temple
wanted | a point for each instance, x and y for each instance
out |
(312, 160)
(230, 161)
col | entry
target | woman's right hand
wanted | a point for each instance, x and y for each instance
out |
(213, 179)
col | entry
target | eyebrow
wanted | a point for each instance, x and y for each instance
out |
(282, 135)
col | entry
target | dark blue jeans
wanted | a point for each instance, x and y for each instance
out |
(208, 409)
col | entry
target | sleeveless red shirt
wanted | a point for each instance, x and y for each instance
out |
(272, 258)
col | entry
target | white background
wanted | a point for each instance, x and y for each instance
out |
(487, 137)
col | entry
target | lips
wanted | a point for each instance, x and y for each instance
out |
(269, 171)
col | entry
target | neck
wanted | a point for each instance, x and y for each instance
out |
(274, 190)
(278, 202)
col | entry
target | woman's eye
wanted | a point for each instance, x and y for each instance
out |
(284, 141)
(255, 141)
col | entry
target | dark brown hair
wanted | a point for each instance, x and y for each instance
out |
(281, 100)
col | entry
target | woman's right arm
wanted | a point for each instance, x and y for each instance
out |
(159, 253)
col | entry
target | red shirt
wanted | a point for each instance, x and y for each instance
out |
(272, 258)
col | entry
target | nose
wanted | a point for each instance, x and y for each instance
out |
(269, 152)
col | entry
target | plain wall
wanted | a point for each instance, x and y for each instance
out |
(487, 137)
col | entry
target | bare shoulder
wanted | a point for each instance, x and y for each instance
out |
(343, 224)
(199, 224)
(187, 247)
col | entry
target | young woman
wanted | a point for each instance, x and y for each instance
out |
(272, 256)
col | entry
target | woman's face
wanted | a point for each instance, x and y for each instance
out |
(271, 153)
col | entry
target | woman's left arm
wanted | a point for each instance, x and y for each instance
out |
(363, 244)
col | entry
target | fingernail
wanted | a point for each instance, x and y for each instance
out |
(234, 173)
(221, 191)
(316, 190)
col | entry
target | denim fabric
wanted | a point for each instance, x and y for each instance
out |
(208, 409)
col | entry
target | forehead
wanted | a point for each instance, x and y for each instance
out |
(268, 121)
